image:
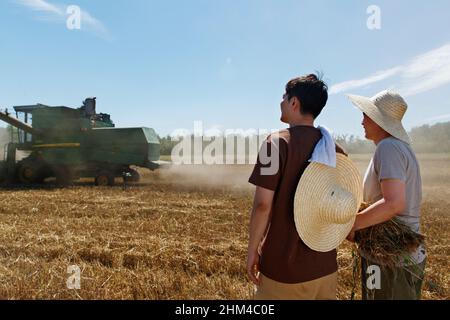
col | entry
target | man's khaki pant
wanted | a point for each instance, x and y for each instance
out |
(319, 289)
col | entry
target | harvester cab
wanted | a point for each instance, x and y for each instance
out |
(89, 106)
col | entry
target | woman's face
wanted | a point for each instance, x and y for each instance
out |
(370, 127)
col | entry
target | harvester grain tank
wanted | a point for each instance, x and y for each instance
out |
(69, 143)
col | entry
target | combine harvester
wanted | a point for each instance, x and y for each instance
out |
(68, 144)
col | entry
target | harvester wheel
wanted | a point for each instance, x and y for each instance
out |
(104, 178)
(27, 173)
(133, 176)
(63, 176)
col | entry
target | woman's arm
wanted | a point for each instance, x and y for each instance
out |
(392, 204)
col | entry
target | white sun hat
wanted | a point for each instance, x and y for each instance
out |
(326, 203)
(386, 109)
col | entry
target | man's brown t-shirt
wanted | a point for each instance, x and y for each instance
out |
(284, 256)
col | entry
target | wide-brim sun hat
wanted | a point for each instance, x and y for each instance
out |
(326, 203)
(386, 109)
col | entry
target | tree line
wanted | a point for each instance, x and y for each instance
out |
(425, 139)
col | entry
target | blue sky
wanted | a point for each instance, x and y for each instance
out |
(166, 64)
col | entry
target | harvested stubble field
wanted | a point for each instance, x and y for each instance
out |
(179, 234)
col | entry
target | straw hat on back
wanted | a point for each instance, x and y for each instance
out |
(326, 203)
(386, 109)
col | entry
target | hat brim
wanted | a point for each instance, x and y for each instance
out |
(320, 235)
(392, 126)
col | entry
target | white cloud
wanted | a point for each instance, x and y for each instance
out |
(427, 71)
(376, 77)
(431, 120)
(58, 11)
(422, 73)
(41, 5)
(94, 25)
(438, 118)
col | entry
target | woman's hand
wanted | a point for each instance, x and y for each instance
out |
(351, 236)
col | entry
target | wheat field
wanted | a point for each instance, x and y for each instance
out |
(181, 233)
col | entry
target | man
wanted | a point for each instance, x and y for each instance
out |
(392, 184)
(279, 262)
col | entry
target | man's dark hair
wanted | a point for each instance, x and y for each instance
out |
(311, 91)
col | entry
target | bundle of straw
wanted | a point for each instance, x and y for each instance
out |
(388, 242)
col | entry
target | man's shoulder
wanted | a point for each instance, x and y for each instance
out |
(284, 136)
(279, 136)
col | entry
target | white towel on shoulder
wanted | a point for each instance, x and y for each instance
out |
(325, 150)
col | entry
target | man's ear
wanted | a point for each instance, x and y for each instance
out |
(295, 103)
